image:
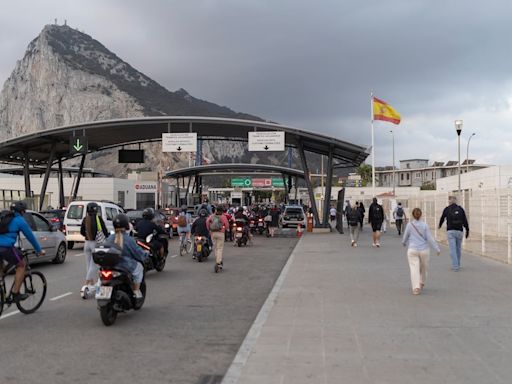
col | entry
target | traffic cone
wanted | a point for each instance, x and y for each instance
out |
(299, 230)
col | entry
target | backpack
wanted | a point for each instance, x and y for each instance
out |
(377, 213)
(455, 216)
(400, 212)
(353, 218)
(5, 219)
(182, 220)
(216, 223)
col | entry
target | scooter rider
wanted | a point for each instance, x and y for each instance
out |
(9, 253)
(147, 226)
(199, 227)
(133, 257)
(241, 217)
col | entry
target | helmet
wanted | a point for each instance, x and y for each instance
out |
(240, 209)
(92, 208)
(121, 221)
(148, 214)
(19, 206)
(203, 213)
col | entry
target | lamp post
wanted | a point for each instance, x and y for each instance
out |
(458, 128)
(467, 152)
(393, 139)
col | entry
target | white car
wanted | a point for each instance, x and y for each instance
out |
(76, 212)
(293, 215)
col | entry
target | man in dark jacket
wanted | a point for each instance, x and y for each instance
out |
(199, 227)
(456, 222)
(376, 218)
(147, 226)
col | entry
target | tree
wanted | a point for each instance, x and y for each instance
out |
(365, 171)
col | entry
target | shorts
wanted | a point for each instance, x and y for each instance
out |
(12, 256)
(333, 218)
(184, 229)
(138, 273)
(376, 227)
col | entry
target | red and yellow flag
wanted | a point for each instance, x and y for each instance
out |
(384, 111)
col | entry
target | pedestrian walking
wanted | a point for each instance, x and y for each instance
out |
(399, 217)
(94, 230)
(376, 218)
(333, 213)
(353, 222)
(418, 239)
(362, 212)
(273, 223)
(346, 211)
(456, 222)
(217, 224)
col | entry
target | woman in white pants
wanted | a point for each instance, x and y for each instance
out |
(418, 238)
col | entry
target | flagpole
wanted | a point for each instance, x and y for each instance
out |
(373, 147)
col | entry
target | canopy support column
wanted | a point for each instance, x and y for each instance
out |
(328, 189)
(62, 201)
(311, 193)
(46, 176)
(286, 191)
(188, 188)
(26, 175)
(79, 177)
(178, 198)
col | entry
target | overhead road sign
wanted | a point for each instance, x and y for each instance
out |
(78, 144)
(179, 142)
(266, 141)
(241, 182)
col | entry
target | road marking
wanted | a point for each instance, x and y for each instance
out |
(9, 314)
(79, 255)
(61, 296)
(173, 256)
(234, 372)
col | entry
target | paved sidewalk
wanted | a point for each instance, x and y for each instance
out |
(346, 315)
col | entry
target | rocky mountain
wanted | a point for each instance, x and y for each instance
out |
(67, 77)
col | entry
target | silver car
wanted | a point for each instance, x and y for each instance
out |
(51, 239)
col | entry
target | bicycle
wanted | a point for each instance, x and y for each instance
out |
(185, 245)
(34, 284)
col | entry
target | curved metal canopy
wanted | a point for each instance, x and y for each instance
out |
(219, 169)
(116, 133)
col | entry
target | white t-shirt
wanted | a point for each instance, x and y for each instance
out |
(333, 212)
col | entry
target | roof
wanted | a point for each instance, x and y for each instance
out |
(42, 170)
(413, 160)
(116, 133)
(221, 169)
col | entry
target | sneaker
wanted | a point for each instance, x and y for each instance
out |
(352, 244)
(137, 294)
(374, 245)
(17, 297)
(377, 245)
(355, 245)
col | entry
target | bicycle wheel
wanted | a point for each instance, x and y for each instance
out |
(35, 286)
(189, 246)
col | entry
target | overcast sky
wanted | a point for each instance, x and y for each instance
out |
(312, 64)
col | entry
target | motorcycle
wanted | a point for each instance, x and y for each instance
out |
(155, 260)
(201, 248)
(241, 234)
(115, 293)
(252, 225)
(261, 226)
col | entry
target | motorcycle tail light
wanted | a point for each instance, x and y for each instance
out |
(198, 238)
(239, 229)
(143, 245)
(106, 274)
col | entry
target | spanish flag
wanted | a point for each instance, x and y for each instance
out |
(384, 111)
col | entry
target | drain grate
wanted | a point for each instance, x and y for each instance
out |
(210, 379)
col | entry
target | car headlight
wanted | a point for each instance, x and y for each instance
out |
(167, 225)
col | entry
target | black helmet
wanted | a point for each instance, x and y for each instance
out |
(19, 206)
(203, 212)
(92, 208)
(121, 221)
(148, 214)
(240, 209)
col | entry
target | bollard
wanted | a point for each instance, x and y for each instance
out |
(299, 230)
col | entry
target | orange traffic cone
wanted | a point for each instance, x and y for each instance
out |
(299, 230)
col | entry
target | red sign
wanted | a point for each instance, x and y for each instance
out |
(261, 182)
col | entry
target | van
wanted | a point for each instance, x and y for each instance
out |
(76, 212)
(293, 215)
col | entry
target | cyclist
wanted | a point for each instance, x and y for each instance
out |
(133, 256)
(184, 219)
(147, 226)
(14, 224)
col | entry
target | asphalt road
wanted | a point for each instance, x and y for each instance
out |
(189, 330)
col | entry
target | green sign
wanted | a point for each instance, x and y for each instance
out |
(77, 144)
(278, 183)
(241, 182)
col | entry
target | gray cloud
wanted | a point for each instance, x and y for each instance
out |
(312, 64)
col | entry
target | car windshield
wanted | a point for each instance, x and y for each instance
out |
(293, 211)
(134, 215)
(76, 212)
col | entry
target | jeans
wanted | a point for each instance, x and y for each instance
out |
(399, 223)
(138, 273)
(218, 245)
(92, 268)
(354, 233)
(455, 243)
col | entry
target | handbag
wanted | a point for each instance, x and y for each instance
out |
(100, 236)
(268, 218)
(423, 237)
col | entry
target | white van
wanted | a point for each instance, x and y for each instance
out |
(76, 212)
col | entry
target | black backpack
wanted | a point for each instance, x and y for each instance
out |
(377, 213)
(353, 218)
(455, 216)
(400, 212)
(5, 219)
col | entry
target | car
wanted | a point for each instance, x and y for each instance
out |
(76, 212)
(51, 239)
(293, 215)
(160, 219)
(55, 217)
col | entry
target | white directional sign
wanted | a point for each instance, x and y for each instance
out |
(179, 142)
(266, 141)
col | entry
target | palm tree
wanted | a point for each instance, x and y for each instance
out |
(365, 171)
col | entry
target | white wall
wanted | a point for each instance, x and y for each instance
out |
(488, 178)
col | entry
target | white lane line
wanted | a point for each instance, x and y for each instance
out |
(9, 315)
(79, 255)
(234, 372)
(61, 296)
(173, 256)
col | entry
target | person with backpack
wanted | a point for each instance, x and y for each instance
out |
(217, 224)
(184, 219)
(418, 238)
(362, 212)
(11, 224)
(95, 231)
(456, 222)
(376, 218)
(353, 218)
(399, 216)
